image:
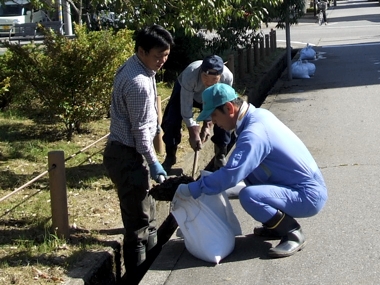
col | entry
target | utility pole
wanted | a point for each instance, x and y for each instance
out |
(60, 18)
(288, 46)
(68, 23)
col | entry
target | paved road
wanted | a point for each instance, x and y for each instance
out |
(336, 113)
(350, 22)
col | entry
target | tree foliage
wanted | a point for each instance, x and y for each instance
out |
(289, 10)
(233, 20)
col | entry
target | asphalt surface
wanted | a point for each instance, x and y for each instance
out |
(336, 114)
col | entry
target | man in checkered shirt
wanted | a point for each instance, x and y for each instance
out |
(129, 156)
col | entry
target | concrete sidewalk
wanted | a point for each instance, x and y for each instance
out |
(336, 114)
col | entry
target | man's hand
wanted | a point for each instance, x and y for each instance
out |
(183, 190)
(156, 170)
(205, 131)
(194, 138)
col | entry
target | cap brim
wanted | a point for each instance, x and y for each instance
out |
(204, 115)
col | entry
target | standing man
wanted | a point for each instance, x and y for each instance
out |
(186, 94)
(129, 156)
(322, 6)
(283, 180)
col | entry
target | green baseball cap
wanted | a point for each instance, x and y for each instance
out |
(215, 96)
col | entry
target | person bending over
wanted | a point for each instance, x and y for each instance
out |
(186, 94)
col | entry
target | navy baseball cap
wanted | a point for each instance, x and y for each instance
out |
(212, 65)
(215, 96)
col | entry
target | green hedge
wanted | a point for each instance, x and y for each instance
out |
(71, 79)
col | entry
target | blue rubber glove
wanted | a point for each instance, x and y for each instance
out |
(183, 190)
(156, 170)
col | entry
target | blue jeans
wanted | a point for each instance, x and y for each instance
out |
(172, 122)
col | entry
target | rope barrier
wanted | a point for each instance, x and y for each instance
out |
(167, 98)
(83, 149)
(47, 171)
(26, 184)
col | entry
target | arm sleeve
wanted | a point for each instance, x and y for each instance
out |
(139, 108)
(250, 151)
(187, 98)
(189, 81)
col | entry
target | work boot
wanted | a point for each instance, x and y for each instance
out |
(220, 156)
(264, 232)
(170, 158)
(292, 239)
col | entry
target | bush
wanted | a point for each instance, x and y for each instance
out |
(71, 78)
(5, 97)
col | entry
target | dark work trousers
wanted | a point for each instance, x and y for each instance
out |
(128, 171)
(172, 122)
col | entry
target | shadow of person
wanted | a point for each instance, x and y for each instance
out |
(246, 248)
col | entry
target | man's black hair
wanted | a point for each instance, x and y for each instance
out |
(237, 102)
(153, 37)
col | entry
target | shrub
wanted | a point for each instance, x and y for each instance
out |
(71, 78)
(5, 97)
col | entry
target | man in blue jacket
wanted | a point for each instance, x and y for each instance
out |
(283, 180)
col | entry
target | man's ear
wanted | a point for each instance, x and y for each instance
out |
(141, 51)
(229, 108)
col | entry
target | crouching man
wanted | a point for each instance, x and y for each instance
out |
(283, 180)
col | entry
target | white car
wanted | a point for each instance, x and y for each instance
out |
(18, 12)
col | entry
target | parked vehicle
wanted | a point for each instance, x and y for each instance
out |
(18, 12)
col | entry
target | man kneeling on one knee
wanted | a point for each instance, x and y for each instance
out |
(283, 180)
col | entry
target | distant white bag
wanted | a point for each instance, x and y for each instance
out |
(310, 67)
(307, 53)
(208, 225)
(300, 70)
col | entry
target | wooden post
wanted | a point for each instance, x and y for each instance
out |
(274, 39)
(271, 40)
(267, 48)
(231, 64)
(157, 141)
(249, 59)
(58, 193)
(262, 48)
(256, 52)
(241, 66)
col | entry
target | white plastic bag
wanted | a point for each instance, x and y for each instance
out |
(307, 53)
(208, 225)
(299, 70)
(310, 67)
(232, 192)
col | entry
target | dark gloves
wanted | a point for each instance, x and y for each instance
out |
(205, 131)
(156, 170)
(194, 138)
